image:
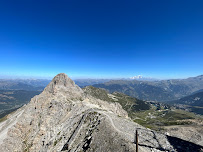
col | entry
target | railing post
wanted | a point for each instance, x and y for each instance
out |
(136, 140)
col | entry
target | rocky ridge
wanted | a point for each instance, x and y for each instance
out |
(65, 118)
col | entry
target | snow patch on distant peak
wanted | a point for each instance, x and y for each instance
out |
(140, 77)
(137, 77)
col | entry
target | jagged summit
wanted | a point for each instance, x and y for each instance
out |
(62, 84)
(63, 79)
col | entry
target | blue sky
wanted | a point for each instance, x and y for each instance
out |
(101, 39)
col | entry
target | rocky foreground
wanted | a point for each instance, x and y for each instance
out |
(64, 118)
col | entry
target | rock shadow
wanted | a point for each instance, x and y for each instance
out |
(184, 146)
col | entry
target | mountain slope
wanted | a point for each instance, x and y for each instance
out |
(192, 100)
(128, 103)
(65, 118)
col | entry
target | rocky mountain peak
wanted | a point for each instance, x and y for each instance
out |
(62, 79)
(62, 84)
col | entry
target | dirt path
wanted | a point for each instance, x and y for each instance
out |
(118, 130)
(113, 125)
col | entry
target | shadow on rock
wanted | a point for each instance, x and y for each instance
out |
(184, 146)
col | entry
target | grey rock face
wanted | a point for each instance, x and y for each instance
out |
(62, 84)
(63, 118)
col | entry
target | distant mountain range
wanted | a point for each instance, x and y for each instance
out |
(164, 90)
(87, 82)
(23, 84)
(40, 84)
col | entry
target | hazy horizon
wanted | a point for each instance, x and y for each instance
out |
(14, 77)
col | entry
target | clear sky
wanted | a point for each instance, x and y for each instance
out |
(101, 39)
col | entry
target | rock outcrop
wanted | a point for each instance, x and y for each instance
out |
(64, 118)
(62, 84)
